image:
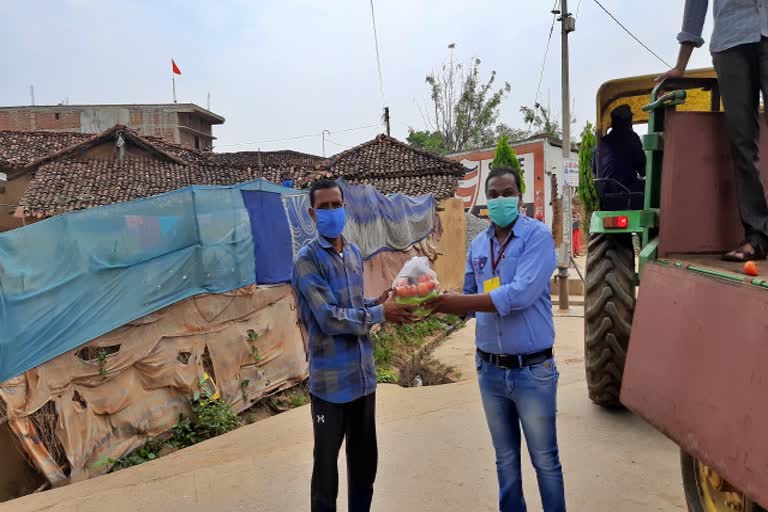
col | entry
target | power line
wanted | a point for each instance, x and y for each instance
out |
(333, 142)
(544, 61)
(633, 36)
(310, 135)
(378, 55)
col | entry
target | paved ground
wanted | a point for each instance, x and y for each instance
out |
(435, 456)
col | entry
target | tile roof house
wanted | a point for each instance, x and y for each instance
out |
(119, 165)
(18, 149)
(270, 158)
(393, 167)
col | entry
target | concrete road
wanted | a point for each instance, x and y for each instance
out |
(435, 455)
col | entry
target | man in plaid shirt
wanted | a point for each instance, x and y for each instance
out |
(328, 280)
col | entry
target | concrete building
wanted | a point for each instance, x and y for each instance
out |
(181, 123)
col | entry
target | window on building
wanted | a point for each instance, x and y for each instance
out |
(57, 115)
(197, 142)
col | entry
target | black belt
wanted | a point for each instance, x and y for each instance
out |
(512, 362)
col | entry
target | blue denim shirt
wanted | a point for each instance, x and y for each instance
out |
(338, 319)
(737, 22)
(524, 322)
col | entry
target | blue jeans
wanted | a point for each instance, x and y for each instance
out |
(528, 397)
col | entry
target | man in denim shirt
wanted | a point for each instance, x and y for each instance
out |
(328, 281)
(506, 285)
(739, 49)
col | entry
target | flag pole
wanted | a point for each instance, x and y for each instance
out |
(173, 77)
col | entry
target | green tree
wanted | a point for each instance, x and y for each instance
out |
(540, 118)
(514, 134)
(505, 157)
(464, 110)
(586, 189)
(431, 141)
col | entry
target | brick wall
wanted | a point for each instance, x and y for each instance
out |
(147, 120)
(66, 120)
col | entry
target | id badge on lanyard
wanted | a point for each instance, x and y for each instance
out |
(495, 282)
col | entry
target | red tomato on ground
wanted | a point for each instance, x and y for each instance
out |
(751, 269)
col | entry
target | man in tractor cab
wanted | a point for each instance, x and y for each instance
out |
(618, 164)
(739, 49)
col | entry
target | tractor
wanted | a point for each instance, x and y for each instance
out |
(673, 333)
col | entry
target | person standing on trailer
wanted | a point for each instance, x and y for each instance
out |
(739, 49)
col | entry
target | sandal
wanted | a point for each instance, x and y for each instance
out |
(741, 255)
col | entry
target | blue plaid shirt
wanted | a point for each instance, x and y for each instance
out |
(338, 319)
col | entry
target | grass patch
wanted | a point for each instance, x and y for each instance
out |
(394, 347)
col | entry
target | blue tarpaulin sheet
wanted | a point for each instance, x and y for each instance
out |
(69, 279)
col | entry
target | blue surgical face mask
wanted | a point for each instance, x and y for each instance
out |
(288, 183)
(503, 210)
(330, 223)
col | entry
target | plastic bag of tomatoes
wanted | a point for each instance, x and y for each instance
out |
(416, 283)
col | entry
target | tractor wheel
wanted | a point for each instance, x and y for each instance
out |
(706, 491)
(609, 304)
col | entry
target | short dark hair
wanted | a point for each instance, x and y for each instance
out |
(322, 185)
(501, 171)
(286, 175)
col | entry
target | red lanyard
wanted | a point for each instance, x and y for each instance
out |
(495, 262)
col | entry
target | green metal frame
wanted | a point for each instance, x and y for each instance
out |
(645, 222)
(721, 274)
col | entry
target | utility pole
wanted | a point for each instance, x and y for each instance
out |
(324, 132)
(568, 25)
(32, 94)
(386, 119)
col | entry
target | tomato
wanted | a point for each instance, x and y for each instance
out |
(750, 268)
(431, 285)
(405, 291)
(424, 278)
(424, 289)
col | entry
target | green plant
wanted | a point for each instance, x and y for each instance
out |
(244, 389)
(144, 454)
(382, 346)
(505, 157)
(299, 399)
(252, 337)
(210, 418)
(586, 190)
(103, 365)
(386, 376)
(453, 321)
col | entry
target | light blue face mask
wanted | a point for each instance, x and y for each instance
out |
(503, 210)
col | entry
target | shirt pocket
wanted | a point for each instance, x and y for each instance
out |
(508, 269)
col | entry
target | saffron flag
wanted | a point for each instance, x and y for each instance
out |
(175, 68)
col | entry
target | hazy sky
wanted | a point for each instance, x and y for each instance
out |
(278, 69)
